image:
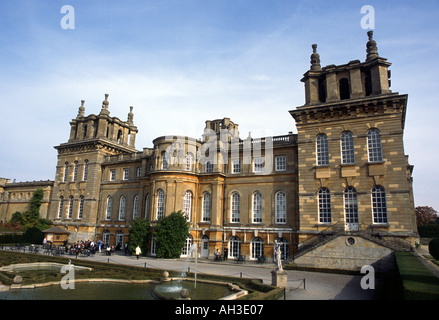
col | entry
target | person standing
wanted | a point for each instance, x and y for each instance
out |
(138, 252)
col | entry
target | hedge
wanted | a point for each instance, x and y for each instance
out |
(433, 248)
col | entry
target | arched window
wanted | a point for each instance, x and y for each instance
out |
(122, 207)
(280, 207)
(234, 247)
(257, 207)
(351, 205)
(69, 215)
(188, 162)
(108, 208)
(374, 147)
(322, 150)
(81, 207)
(379, 204)
(164, 161)
(344, 89)
(136, 206)
(146, 206)
(209, 167)
(60, 207)
(75, 171)
(66, 171)
(85, 170)
(257, 248)
(187, 205)
(119, 136)
(347, 148)
(324, 206)
(160, 204)
(206, 207)
(236, 207)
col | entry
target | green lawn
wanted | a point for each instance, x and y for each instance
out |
(418, 282)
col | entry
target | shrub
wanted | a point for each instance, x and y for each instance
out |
(433, 248)
(171, 233)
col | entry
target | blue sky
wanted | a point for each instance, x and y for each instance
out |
(181, 62)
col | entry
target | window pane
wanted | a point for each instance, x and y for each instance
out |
(235, 207)
(374, 145)
(280, 207)
(257, 207)
(160, 203)
(347, 148)
(379, 205)
(322, 150)
(324, 205)
(351, 205)
(206, 207)
(187, 204)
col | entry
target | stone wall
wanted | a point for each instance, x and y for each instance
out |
(346, 254)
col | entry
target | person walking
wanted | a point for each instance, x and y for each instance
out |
(138, 252)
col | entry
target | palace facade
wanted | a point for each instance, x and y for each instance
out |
(336, 194)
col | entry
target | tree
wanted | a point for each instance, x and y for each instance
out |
(138, 236)
(30, 222)
(171, 233)
(425, 215)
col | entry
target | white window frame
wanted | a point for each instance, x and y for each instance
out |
(112, 174)
(280, 163)
(188, 162)
(280, 207)
(234, 247)
(235, 207)
(347, 148)
(122, 208)
(126, 174)
(257, 207)
(258, 164)
(379, 205)
(160, 204)
(108, 208)
(257, 248)
(136, 206)
(187, 205)
(236, 166)
(322, 150)
(206, 207)
(324, 203)
(374, 146)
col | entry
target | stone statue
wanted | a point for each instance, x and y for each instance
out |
(315, 58)
(371, 47)
(278, 255)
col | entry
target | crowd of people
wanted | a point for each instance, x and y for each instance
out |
(89, 247)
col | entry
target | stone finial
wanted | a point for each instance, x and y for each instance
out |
(81, 109)
(131, 116)
(371, 47)
(315, 58)
(105, 104)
